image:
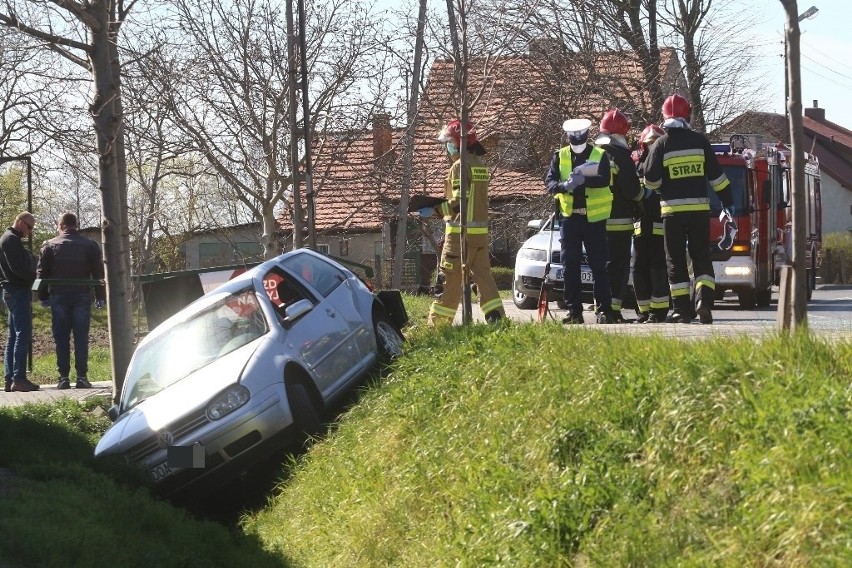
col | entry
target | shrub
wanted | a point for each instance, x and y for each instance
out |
(503, 277)
(837, 258)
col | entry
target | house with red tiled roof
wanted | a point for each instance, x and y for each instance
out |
(520, 103)
(828, 141)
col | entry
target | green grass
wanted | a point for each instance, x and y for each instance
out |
(590, 449)
(509, 445)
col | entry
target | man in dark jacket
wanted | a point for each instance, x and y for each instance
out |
(627, 192)
(70, 256)
(17, 273)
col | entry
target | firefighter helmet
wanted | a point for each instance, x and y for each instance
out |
(614, 122)
(451, 132)
(677, 106)
(651, 133)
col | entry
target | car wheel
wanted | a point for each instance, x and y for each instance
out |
(305, 412)
(522, 301)
(388, 340)
(561, 304)
(762, 298)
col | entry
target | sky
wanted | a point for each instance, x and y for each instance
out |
(826, 47)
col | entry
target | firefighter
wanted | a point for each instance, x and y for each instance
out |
(443, 309)
(627, 192)
(679, 165)
(579, 178)
(649, 253)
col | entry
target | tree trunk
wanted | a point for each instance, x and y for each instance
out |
(106, 112)
(402, 225)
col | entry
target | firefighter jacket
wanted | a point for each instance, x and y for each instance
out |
(678, 166)
(477, 205)
(649, 219)
(593, 198)
(627, 192)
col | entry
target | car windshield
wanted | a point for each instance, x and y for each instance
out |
(190, 345)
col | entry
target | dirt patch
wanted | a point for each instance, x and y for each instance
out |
(43, 341)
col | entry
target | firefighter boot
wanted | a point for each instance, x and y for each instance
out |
(682, 312)
(704, 306)
(493, 316)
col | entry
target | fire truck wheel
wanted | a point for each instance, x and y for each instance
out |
(746, 298)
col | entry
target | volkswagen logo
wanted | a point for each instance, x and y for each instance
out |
(165, 439)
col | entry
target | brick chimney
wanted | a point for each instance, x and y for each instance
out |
(815, 112)
(381, 134)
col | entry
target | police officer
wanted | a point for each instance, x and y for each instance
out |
(579, 177)
(443, 309)
(679, 166)
(649, 253)
(627, 192)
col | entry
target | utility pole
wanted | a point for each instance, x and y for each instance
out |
(298, 237)
(794, 315)
(306, 123)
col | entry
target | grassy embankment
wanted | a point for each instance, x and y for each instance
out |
(527, 445)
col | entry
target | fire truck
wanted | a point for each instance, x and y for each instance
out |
(762, 190)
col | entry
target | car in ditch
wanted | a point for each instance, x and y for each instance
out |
(247, 368)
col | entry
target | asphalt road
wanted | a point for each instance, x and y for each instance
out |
(829, 315)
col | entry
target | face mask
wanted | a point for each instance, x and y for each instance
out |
(452, 148)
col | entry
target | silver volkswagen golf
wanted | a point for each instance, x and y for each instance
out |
(244, 367)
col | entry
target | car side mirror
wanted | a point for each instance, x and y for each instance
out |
(113, 412)
(296, 310)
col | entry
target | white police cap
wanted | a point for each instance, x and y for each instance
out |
(575, 126)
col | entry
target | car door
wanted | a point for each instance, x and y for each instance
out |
(318, 338)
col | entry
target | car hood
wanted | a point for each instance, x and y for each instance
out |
(540, 241)
(185, 397)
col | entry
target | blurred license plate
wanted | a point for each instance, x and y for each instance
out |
(585, 275)
(160, 472)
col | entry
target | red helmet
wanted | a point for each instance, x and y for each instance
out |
(614, 122)
(651, 133)
(452, 133)
(677, 106)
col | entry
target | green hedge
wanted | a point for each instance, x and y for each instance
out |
(503, 277)
(837, 259)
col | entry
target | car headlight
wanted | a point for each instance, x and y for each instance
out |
(227, 401)
(533, 254)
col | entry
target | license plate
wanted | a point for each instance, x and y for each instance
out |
(161, 471)
(585, 275)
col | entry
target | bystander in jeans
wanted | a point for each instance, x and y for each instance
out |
(17, 273)
(65, 258)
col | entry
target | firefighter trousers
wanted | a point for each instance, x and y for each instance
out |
(618, 265)
(650, 281)
(443, 309)
(689, 232)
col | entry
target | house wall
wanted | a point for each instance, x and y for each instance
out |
(836, 203)
(246, 240)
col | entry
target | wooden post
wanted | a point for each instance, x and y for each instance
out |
(785, 307)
